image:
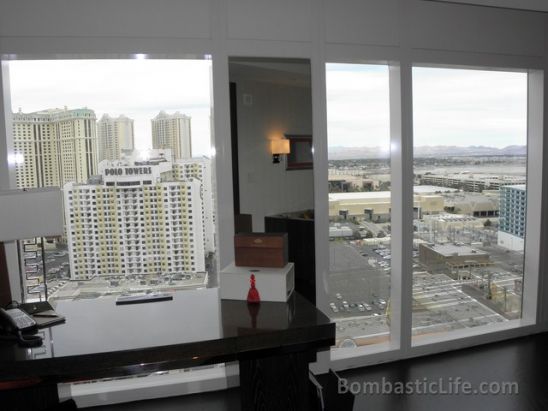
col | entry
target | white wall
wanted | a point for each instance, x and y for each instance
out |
(512, 4)
(267, 188)
(323, 30)
(129, 26)
(402, 31)
(509, 241)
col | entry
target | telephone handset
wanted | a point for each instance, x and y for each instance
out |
(16, 322)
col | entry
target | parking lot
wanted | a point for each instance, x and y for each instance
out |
(60, 286)
(115, 285)
(358, 281)
(359, 288)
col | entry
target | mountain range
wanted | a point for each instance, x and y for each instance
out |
(353, 153)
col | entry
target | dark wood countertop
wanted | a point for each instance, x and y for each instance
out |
(101, 339)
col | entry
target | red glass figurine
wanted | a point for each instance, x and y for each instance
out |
(253, 296)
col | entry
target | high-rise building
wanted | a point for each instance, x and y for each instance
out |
(114, 135)
(200, 169)
(56, 146)
(513, 209)
(172, 131)
(128, 220)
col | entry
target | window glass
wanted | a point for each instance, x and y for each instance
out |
(359, 203)
(128, 143)
(470, 157)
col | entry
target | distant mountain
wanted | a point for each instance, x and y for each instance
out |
(353, 153)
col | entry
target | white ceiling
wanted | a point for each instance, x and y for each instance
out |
(538, 5)
(280, 71)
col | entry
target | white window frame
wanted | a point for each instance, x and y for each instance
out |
(224, 254)
(400, 60)
(401, 63)
(199, 380)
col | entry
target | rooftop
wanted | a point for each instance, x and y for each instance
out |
(449, 217)
(478, 177)
(426, 189)
(517, 187)
(362, 195)
(455, 250)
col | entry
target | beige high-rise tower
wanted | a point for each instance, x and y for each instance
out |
(131, 220)
(114, 135)
(172, 131)
(55, 146)
(200, 169)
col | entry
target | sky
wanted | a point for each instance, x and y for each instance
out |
(457, 107)
(138, 88)
(451, 106)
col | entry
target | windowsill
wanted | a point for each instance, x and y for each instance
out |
(169, 384)
(419, 340)
(345, 353)
(388, 351)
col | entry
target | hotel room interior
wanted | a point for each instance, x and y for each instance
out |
(375, 168)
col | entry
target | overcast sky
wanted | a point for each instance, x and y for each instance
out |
(451, 107)
(137, 88)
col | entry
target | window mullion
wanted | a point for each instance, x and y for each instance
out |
(401, 152)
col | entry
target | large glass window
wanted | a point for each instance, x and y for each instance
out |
(128, 142)
(358, 283)
(470, 156)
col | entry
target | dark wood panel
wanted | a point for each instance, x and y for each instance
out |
(301, 251)
(234, 147)
(275, 383)
(41, 397)
(260, 250)
(5, 294)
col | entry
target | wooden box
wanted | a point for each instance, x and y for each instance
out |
(260, 250)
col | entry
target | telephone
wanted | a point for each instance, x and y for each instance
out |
(15, 322)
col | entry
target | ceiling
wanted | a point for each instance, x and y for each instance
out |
(294, 72)
(537, 5)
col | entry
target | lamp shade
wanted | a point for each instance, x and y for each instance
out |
(280, 146)
(31, 213)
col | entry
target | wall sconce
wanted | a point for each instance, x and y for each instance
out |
(278, 147)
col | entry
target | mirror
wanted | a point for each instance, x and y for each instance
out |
(271, 99)
(300, 152)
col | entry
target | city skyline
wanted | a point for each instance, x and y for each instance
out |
(138, 89)
(472, 107)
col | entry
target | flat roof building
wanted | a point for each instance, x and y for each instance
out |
(484, 204)
(444, 258)
(471, 182)
(376, 205)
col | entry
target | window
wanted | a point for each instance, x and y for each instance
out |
(123, 111)
(470, 168)
(359, 203)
